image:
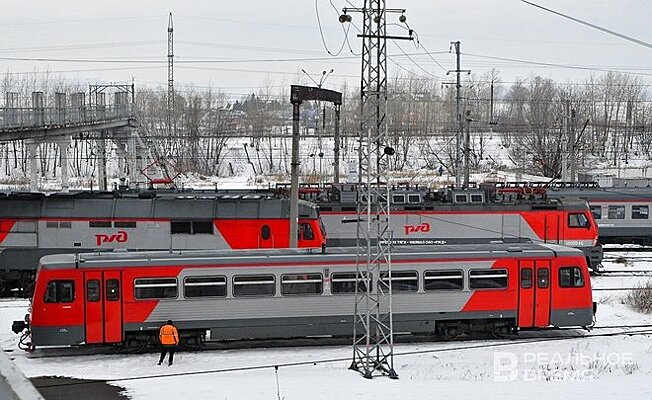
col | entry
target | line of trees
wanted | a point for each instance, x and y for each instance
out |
(609, 117)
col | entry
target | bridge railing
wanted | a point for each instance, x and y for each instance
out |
(33, 118)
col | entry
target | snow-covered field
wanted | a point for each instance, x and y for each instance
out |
(600, 367)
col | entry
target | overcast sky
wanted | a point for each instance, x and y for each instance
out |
(228, 33)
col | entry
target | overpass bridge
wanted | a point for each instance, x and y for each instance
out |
(70, 118)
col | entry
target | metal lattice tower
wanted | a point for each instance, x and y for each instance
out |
(170, 98)
(373, 336)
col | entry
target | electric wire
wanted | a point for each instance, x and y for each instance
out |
(610, 32)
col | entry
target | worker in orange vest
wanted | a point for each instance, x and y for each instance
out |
(169, 338)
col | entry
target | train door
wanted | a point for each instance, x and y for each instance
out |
(526, 294)
(112, 307)
(551, 233)
(93, 307)
(542, 294)
(103, 306)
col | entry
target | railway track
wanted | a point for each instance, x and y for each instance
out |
(646, 330)
(531, 336)
(625, 273)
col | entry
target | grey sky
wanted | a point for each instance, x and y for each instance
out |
(286, 29)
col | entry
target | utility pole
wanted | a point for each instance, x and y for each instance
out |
(567, 148)
(373, 329)
(458, 111)
(467, 149)
(573, 150)
(170, 99)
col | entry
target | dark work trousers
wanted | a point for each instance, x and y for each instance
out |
(165, 349)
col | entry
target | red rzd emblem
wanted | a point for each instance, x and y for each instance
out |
(119, 237)
(424, 227)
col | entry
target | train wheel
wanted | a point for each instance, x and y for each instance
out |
(451, 332)
(135, 345)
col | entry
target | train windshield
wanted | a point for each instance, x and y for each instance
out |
(578, 220)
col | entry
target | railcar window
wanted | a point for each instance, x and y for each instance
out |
(570, 277)
(113, 290)
(155, 288)
(460, 198)
(52, 224)
(344, 282)
(180, 227)
(301, 284)
(640, 212)
(616, 212)
(526, 278)
(254, 285)
(477, 198)
(543, 278)
(99, 224)
(596, 211)
(398, 198)
(93, 290)
(202, 227)
(60, 291)
(204, 286)
(266, 232)
(403, 281)
(488, 279)
(414, 198)
(443, 280)
(124, 224)
(577, 220)
(65, 224)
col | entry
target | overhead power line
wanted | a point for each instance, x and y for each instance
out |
(579, 21)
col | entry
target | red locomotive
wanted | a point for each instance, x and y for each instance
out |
(114, 298)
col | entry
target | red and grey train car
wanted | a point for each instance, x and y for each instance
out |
(462, 216)
(622, 213)
(33, 225)
(125, 297)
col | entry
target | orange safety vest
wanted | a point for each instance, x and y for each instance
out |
(168, 335)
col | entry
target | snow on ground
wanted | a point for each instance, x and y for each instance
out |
(595, 368)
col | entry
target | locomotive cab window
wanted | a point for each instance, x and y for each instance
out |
(443, 280)
(344, 282)
(570, 277)
(155, 288)
(301, 284)
(616, 212)
(211, 286)
(596, 211)
(60, 291)
(640, 212)
(254, 285)
(578, 220)
(488, 279)
(305, 231)
(403, 281)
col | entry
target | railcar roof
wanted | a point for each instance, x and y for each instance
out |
(619, 194)
(335, 255)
